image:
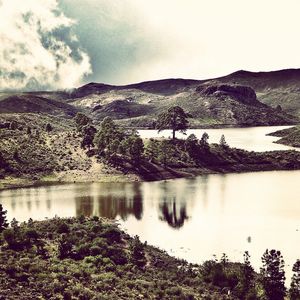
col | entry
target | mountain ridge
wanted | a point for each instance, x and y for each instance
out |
(242, 98)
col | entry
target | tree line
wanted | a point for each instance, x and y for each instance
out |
(111, 141)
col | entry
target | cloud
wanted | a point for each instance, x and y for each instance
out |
(136, 40)
(38, 48)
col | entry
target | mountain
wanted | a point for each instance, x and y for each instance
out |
(240, 99)
(48, 103)
(272, 88)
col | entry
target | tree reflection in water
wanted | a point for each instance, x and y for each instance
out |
(112, 201)
(175, 216)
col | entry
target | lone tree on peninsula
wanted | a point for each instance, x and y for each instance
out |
(174, 118)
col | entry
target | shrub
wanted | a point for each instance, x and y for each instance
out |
(63, 228)
(112, 235)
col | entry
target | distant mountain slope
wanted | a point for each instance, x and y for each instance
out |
(31, 103)
(210, 103)
(240, 99)
(272, 88)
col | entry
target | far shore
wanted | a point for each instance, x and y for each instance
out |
(165, 174)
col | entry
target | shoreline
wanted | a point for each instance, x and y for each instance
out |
(10, 183)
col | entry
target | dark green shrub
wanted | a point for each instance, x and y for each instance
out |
(63, 228)
(95, 250)
(112, 235)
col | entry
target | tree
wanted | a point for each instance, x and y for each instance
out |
(295, 283)
(204, 141)
(3, 220)
(109, 137)
(135, 147)
(192, 146)
(166, 152)
(273, 275)
(89, 132)
(223, 142)
(48, 127)
(152, 149)
(81, 120)
(247, 276)
(174, 118)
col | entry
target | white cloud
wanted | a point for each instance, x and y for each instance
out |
(38, 48)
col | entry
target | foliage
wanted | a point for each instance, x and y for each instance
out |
(138, 253)
(152, 149)
(89, 132)
(174, 118)
(204, 141)
(81, 120)
(294, 291)
(48, 127)
(3, 219)
(166, 152)
(93, 258)
(108, 137)
(273, 275)
(223, 142)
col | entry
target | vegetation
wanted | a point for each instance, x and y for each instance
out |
(289, 136)
(273, 275)
(81, 120)
(91, 258)
(3, 220)
(50, 149)
(295, 283)
(174, 118)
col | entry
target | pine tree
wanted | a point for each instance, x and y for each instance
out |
(223, 142)
(247, 278)
(175, 118)
(3, 220)
(273, 275)
(295, 283)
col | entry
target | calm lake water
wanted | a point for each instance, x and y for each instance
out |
(250, 138)
(191, 218)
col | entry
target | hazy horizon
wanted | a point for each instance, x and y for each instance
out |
(67, 43)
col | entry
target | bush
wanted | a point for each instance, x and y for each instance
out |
(112, 235)
(63, 228)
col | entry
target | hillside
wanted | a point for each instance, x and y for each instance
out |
(208, 104)
(289, 136)
(272, 88)
(46, 103)
(91, 258)
(239, 99)
(34, 154)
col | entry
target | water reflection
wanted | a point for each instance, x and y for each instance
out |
(173, 214)
(212, 214)
(111, 201)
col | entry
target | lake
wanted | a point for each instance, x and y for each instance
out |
(191, 218)
(249, 138)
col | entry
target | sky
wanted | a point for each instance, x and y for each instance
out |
(62, 44)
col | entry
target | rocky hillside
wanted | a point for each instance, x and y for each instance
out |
(289, 136)
(239, 99)
(272, 88)
(47, 103)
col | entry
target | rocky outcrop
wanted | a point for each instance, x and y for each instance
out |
(243, 94)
